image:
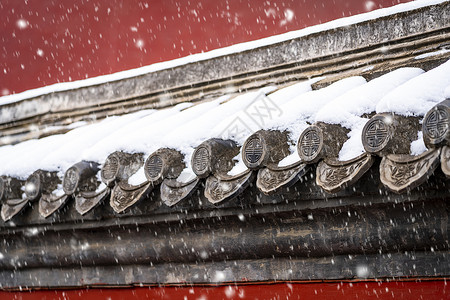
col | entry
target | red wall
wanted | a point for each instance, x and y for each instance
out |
(48, 41)
(398, 290)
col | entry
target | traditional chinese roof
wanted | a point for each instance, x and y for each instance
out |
(174, 150)
(335, 158)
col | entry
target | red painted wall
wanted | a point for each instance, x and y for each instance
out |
(399, 290)
(47, 41)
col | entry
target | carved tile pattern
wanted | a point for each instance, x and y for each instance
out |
(110, 168)
(154, 166)
(50, 203)
(70, 182)
(253, 150)
(399, 173)
(436, 124)
(122, 198)
(310, 143)
(201, 158)
(334, 177)
(86, 201)
(269, 181)
(171, 195)
(217, 190)
(12, 207)
(376, 133)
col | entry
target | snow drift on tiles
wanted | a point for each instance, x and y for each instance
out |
(245, 122)
(348, 109)
(303, 108)
(417, 96)
(200, 127)
(58, 152)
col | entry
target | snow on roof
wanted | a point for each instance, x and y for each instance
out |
(185, 126)
(219, 52)
(59, 152)
(363, 99)
(348, 109)
(417, 96)
(302, 110)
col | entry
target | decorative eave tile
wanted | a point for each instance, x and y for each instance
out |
(86, 201)
(173, 191)
(400, 172)
(218, 190)
(270, 181)
(265, 147)
(12, 197)
(333, 175)
(124, 195)
(49, 203)
(80, 181)
(12, 207)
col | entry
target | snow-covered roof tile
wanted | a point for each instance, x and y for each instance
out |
(168, 147)
(323, 113)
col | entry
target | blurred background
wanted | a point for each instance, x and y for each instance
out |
(49, 41)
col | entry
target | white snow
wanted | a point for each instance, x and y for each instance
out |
(182, 127)
(102, 185)
(59, 192)
(434, 53)
(353, 147)
(290, 159)
(81, 139)
(418, 146)
(133, 137)
(348, 109)
(239, 167)
(258, 114)
(368, 68)
(187, 175)
(301, 111)
(138, 177)
(418, 95)
(447, 92)
(59, 152)
(186, 125)
(219, 52)
(283, 95)
(239, 124)
(304, 107)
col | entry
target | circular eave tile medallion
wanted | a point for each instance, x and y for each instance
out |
(110, 168)
(33, 186)
(310, 143)
(376, 133)
(200, 161)
(253, 151)
(436, 124)
(154, 167)
(70, 181)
